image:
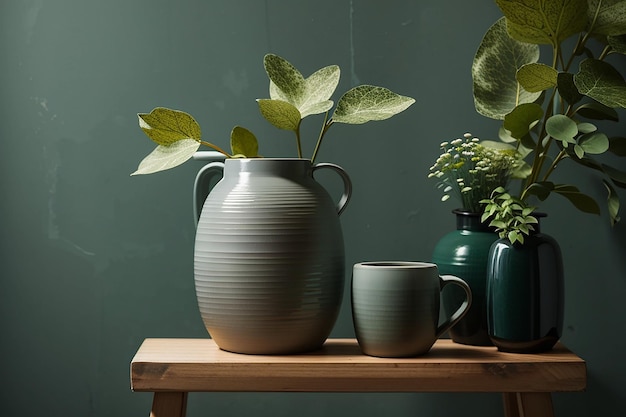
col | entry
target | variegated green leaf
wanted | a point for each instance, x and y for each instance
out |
(537, 77)
(310, 95)
(367, 103)
(166, 126)
(496, 91)
(544, 21)
(279, 113)
(618, 43)
(609, 15)
(602, 82)
(168, 156)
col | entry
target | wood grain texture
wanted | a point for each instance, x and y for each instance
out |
(199, 365)
(169, 404)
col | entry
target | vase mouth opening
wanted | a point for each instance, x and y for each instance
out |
(466, 212)
(395, 264)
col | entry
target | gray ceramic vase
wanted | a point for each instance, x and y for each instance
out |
(269, 256)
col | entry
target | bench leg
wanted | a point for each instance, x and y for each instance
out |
(528, 404)
(169, 404)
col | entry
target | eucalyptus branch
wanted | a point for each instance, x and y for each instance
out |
(554, 164)
(215, 147)
(325, 126)
(605, 52)
(298, 141)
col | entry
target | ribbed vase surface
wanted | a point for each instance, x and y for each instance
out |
(269, 258)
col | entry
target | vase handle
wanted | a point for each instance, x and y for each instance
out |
(202, 186)
(347, 184)
(463, 308)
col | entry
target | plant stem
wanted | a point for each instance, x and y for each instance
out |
(217, 148)
(325, 126)
(298, 142)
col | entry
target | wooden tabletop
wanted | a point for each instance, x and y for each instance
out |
(189, 365)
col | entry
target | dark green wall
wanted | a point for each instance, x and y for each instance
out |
(92, 261)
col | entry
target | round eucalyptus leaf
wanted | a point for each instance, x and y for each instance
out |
(594, 143)
(562, 128)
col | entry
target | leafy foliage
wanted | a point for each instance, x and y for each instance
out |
(544, 105)
(292, 98)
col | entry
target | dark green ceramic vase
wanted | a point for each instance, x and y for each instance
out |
(464, 253)
(525, 294)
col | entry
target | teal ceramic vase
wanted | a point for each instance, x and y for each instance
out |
(464, 253)
(269, 256)
(525, 294)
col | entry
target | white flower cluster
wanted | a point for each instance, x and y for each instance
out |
(470, 170)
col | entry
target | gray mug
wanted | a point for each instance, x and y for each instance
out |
(395, 307)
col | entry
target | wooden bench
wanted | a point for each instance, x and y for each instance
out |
(171, 368)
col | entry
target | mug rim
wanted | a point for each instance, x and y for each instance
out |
(395, 264)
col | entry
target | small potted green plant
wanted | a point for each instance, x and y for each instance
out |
(269, 257)
(467, 171)
(550, 113)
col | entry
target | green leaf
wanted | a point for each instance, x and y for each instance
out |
(567, 88)
(586, 127)
(611, 17)
(579, 151)
(618, 43)
(167, 156)
(594, 143)
(602, 82)
(581, 201)
(243, 142)
(612, 202)
(562, 128)
(165, 126)
(537, 77)
(309, 96)
(367, 103)
(544, 21)
(494, 70)
(541, 189)
(522, 119)
(597, 111)
(279, 113)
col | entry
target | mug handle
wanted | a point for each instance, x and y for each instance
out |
(347, 184)
(201, 186)
(463, 308)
